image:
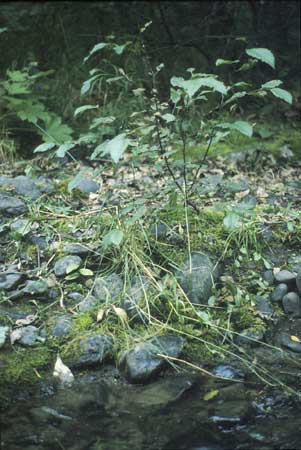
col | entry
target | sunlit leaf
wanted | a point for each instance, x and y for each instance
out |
(63, 149)
(241, 126)
(210, 395)
(282, 94)
(72, 268)
(114, 237)
(221, 62)
(115, 147)
(83, 108)
(262, 54)
(271, 84)
(121, 313)
(44, 147)
(192, 86)
(295, 339)
(95, 49)
(100, 315)
(62, 372)
(86, 272)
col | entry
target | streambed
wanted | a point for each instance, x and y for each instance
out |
(101, 412)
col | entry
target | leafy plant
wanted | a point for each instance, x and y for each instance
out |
(157, 127)
(21, 99)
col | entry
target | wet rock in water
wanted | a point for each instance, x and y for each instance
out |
(11, 206)
(249, 336)
(26, 186)
(141, 362)
(3, 333)
(93, 350)
(46, 414)
(298, 281)
(107, 289)
(162, 392)
(76, 249)
(27, 336)
(263, 306)
(62, 326)
(63, 265)
(87, 185)
(159, 231)
(135, 296)
(198, 282)
(10, 280)
(292, 304)
(228, 371)
(285, 340)
(87, 304)
(268, 276)
(285, 276)
(35, 287)
(279, 292)
(229, 412)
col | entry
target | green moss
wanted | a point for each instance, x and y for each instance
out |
(19, 365)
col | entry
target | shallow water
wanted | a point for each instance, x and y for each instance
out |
(99, 413)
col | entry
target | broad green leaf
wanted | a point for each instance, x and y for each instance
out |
(241, 126)
(72, 276)
(175, 96)
(31, 111)
(63, 149)
(115, 147)
(16, 88)
(137, 216)
(231, 221)
(236, 96)
(271, 84)
(118, 49)
(283, 94)
(72, 268)
(168, 117)
(95, 49)
(210, 395)
(114, 237)
(44, 147)
(86, 272)
(87, 84)
(247, 66)
(263, 54)
(192, 86)
(101, 121)
(54, 130)
(219, 135)
(2, 30)
(81, 109)
(221, 62)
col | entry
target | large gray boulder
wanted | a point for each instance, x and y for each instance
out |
(63, 265)
(10, 280)
(197, 280)
(141, 362)
(107, 289)
(93, 350)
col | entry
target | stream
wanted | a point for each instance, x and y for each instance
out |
(184, 411)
